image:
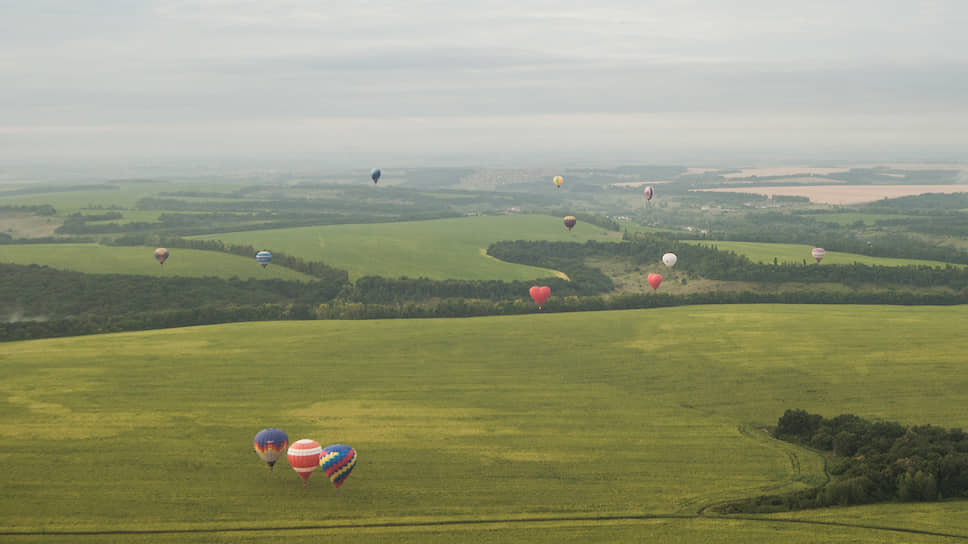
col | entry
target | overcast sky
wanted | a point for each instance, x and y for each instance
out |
(633, 81)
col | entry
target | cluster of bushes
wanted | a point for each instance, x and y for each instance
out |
(874, 461)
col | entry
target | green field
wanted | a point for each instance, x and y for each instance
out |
(439, 249)
(97, 259)
(796, 253)
(849, 218)
(536, 423)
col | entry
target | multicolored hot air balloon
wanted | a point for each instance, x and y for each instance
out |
(337, 461)
(557, 180)
(648, 192)
(161, 255)
(654, 281)
(375, 174)
(540, 294)
(818, 253)
(570, 221)
(264, 258)
(303, 457)
(670, 259)
(269, 444)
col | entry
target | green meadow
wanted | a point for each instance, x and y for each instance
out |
(97, 259)
(849, 218)
(438, 249)
(795, 253)
(514, 428)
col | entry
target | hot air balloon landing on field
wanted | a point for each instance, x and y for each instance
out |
(337, 461)
(648, 192)
(570, 221)
(557, 180)
(161, 255)
(654, 281)
(818, 253)
(540, 294)
(303, 456)
(375, 175)
(269, 444)
(263, 258)
(670, 259)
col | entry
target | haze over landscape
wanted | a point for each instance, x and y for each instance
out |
(521, 271)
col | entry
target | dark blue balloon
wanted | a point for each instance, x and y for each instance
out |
(375, 174)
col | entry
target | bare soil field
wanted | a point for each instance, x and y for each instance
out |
(785, 171)
(847, 194)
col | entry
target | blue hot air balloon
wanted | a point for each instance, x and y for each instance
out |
(337, 461)
(375, 174)
(263, 258)
(270, 444)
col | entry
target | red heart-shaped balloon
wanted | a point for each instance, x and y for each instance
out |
(655, 280)
(540, 294)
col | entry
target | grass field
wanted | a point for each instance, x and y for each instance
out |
(97, 259)
(535, 423)
(796, 253)
(439, 249)
(849, 218)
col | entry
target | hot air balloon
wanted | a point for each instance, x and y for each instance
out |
(648, 192)
(264, 258)
(557, 181)
(375, 174)
(161, 255)
(337, 461)
(269, 444)
(654, 281)
(818, 253)
(540, 294)
(303, 457)
(570, 221)
(669, 259)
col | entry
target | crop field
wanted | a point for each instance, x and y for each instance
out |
(438, 249)
(97, 259)
(849, 218)
(796, 253)
(846, 194)
(577, 427)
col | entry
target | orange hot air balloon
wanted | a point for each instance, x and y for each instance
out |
(654, 281)
(557, 181)
(303, 456)
(540, 294)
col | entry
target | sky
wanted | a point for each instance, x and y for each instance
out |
(505, 81)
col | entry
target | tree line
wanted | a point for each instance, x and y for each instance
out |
(873, 461)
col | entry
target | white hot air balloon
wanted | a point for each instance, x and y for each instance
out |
(669, 259)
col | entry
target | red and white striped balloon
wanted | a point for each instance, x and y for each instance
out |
(303, 457)
(818, 253)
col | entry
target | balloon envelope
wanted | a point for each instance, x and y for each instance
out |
(303, 456)
(263, 258)
(337, 461)
(269, 444)
(648, 192)
(818, 253)
(375, 174)
(540, 294)
(570, 221)
(655, 280)
(161, 255)
(669, 259)
(557, 180)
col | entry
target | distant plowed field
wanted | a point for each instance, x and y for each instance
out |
(847, 194)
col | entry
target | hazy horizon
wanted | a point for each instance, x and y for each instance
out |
(168, 82)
